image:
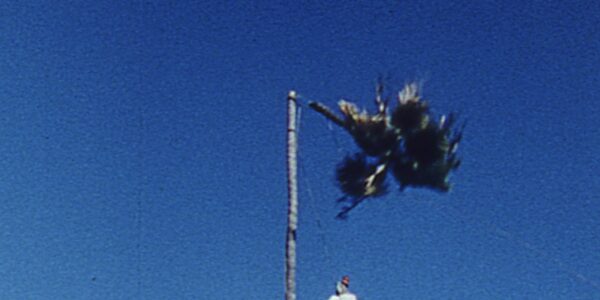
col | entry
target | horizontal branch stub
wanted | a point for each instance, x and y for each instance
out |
(327, 112)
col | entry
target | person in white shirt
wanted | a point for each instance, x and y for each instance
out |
(341, 290)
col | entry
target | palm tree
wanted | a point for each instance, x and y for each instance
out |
(418, 151)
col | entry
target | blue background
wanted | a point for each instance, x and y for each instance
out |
(143, 149)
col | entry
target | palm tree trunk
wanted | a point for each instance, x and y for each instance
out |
(290, 246)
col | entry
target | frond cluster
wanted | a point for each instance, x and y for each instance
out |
(419, 151)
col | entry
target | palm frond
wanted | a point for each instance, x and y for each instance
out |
(357, 177)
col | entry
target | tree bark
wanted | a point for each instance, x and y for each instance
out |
(290, 246)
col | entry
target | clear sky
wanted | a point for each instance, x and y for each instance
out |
(143, 149)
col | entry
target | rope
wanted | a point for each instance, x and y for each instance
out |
(310, 204)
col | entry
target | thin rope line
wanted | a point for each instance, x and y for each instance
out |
(312, 200)
(318, 221)
(332, 132)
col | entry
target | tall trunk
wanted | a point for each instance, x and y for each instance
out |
(290, 246)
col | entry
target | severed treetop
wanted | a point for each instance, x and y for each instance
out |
(406, 140)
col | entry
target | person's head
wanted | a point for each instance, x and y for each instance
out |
(342, 286)
(346, 280)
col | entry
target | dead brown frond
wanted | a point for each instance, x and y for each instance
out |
(372, 132)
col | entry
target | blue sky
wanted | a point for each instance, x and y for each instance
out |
(144, 149)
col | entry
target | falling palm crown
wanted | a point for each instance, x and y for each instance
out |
(418, 151)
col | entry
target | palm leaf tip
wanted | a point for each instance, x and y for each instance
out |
(411, 113)
(410, 93)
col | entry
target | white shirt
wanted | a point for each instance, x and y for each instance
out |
(345, 296)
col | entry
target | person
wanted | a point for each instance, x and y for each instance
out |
(341, 290)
